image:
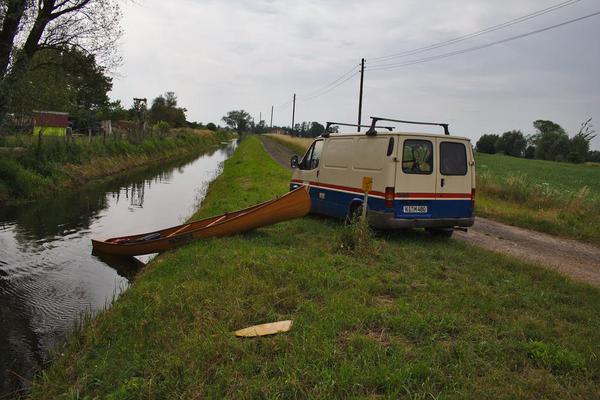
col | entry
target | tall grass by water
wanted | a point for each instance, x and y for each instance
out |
(31, 166)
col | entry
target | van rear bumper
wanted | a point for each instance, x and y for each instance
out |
(383, 220)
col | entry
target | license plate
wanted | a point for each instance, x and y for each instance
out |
(414, 209)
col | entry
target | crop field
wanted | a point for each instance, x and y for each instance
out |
(559, 176)
(298, 144)
(553, 197)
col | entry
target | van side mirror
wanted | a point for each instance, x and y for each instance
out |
(294, 161)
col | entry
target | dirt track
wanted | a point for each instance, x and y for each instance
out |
(577, 260)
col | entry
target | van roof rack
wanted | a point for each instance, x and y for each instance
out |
(374, 120)
(329, 124)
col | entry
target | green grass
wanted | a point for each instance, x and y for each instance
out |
(38, 170)
(565, 177)
(417, 318)
(558, 198)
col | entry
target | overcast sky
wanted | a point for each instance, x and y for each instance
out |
(219, 55)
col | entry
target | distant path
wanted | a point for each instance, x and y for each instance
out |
(575, 259)
(279, 152)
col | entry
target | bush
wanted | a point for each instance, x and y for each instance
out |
(487, 144)
(357, 238)
(211, 127)
(20, 181)
(512, 143)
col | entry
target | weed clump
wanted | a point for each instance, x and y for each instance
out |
(357, 238)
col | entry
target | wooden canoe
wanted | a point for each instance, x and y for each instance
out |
(292, 205)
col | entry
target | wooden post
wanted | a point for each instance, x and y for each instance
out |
(367, 185)
(39, 144)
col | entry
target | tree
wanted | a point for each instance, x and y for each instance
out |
(66, 80)
(211, 127)
(239, 120)
(487, 144)
(316, 129)
(512, 143)
(26, 27)
(164, 108)
(551, 141)
(579, 145)
(593, 156)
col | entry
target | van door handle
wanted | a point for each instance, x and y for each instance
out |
(317, 173)
(442, 182)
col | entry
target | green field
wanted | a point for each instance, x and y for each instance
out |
(404, 316)
(558, 198)
(565, 177)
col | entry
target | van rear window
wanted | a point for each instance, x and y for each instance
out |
(417, 157)
(453, 158)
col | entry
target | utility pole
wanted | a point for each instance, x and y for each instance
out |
(293, 112)
(360, 96)
(271, 116)
(259, 117)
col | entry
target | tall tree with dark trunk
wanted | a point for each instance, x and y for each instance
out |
(27, 26)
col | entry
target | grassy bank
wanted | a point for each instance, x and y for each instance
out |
(553, 197)
(411, 317)
(36, 170)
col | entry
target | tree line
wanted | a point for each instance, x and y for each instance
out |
(242, 122)
(549, 142)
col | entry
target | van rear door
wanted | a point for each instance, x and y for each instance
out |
(454, 184)
(416, 177)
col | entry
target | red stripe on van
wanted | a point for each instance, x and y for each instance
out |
(397, 195)
(339, 187)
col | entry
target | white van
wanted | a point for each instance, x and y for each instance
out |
(418, 180)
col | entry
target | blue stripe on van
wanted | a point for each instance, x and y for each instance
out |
(337, 204)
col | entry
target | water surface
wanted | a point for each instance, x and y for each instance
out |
(48, 276)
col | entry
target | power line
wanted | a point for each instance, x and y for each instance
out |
(384, 67)
(333, 83)
(331, 88)
(458, 39)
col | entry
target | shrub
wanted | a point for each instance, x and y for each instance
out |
(358, 238)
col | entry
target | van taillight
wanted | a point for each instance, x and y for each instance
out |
(473, 198)
(389, 197)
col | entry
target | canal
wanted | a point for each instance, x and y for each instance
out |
(48, 276)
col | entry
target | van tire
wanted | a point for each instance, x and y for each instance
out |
(354, 213)
(440, 232)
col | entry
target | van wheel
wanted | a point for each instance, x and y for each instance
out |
(440, 232)
(354, 214)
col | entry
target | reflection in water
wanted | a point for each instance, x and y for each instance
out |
(48, 275)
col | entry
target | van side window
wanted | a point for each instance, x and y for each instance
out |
(453, 158)
(390, 148)
(417, 157)
(312, 156)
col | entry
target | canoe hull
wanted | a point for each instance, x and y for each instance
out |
(294, 204)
